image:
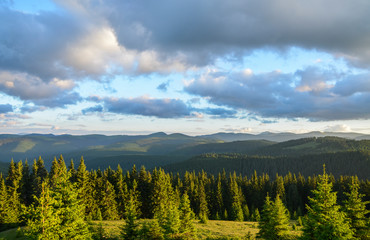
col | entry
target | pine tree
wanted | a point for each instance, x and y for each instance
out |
(130, 230)
(86, 190)
(3, 200)
(105, 196)
(356, 211)
(236, 211)
(66, 202)
(13, 204)
(324, 219)
(38, 176)
(266, 228)
(274, 222)
(45, 222)
(152, 231)
(203, 208)
(26, 185)
(186, 216)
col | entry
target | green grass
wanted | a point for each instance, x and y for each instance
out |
(24, 145)
(12, 234)
(212, 230)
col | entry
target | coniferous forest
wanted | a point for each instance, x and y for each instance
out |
(63, 202)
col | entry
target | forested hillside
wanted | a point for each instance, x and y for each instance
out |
(67, 197)
(341, 163)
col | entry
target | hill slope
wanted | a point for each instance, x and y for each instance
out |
(340, 163)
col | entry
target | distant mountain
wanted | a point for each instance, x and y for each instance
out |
(281, 137)
(160, 149)
(21, 147)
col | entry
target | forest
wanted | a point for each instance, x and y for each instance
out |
(64, 202)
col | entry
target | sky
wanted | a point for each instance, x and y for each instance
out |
(194, 67)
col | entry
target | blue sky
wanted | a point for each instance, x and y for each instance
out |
(195, 67)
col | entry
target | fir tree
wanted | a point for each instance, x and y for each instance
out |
(236, 211)
(3, 200)
(266, 228)
(186, 216)
(203, 208)
(105, 196)
(45, 222)
(324, 219)
(356, 211)
(274, 222)
(71, 211)
(152, 231)
(130, 230)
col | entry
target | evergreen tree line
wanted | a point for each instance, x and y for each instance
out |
(325, 219)
(68, 197)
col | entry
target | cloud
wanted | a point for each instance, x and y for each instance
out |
(5, 108)
(163, 86)
(309, 93)
(27, 87)
(219, 112)
(97, 108)
(338, 128)
(95, 38)
(31, 89)
(145, 106)
(218, 28)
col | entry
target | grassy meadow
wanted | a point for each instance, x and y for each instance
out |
(212, 230)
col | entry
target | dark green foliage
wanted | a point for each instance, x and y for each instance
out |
(45, 222)
(324, 219)
(186, 216)
(235, 210)
(356, 211)
(274, 221)
(152, 231)
(169, 198)
(337, 163)
(202, 204)
(130, 231)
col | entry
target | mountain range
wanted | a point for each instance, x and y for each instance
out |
(160, 149)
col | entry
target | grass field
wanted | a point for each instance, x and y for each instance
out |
(212, 230)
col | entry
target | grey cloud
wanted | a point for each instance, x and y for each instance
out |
(203, 30)
(163, 86)
(278, 95)
(353, 84)
(220, 112)
(35, 44)
(60, 101)
(5, 108)
(161, 108)
(97, 108)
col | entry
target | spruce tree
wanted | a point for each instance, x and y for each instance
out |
(45, 222)
(236, 211)
(130, 230)
(71, 210)
(356, 211)
(324, 218)
(3, 200)
(186, 216)
(203, 208)
(13, 204)
(266, 228)
(274, 222)
(105, 196)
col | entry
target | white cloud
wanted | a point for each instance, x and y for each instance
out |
(338, 128)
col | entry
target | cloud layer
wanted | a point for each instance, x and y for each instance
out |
(43, 56)
(307, 93)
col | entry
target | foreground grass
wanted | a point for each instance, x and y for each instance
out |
(212, 230)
